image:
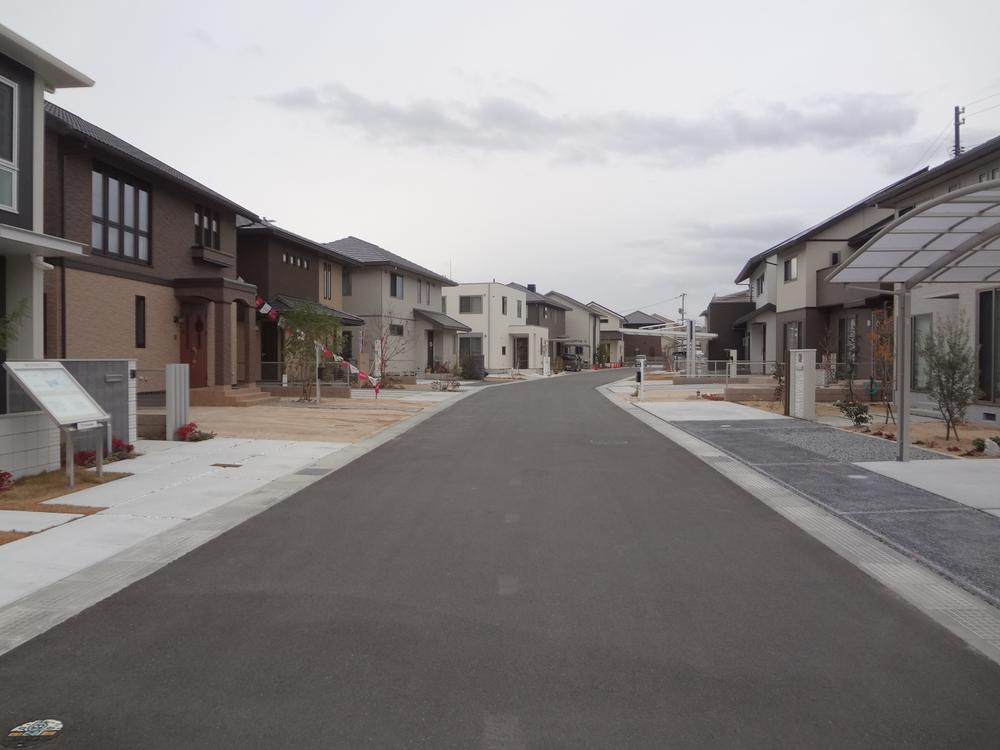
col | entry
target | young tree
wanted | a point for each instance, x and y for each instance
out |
(389, 342)
(883, 358)
(951, 367)
(307, 327)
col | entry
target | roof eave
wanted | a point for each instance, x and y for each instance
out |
(54, 72)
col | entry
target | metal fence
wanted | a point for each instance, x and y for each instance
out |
(330, 373)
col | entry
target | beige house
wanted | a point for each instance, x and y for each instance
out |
(401, 304)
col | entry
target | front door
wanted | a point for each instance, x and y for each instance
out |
(430, 350)
(194, 342)
(521, 352)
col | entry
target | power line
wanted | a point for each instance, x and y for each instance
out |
(982, 99)
(932, 146)
(985, 109)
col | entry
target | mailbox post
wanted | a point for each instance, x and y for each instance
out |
(640, 375)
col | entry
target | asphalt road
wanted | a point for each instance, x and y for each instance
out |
(532, 568)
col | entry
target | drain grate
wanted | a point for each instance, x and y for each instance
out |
(312, 472)
(608, 441)
(228, 466)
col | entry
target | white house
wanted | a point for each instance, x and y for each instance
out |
(29, 442)
(400, 301)
(497, 317)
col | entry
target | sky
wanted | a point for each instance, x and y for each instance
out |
(621, 152)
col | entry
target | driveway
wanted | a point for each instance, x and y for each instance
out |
(532, 568)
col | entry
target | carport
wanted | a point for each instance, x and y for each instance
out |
(953, 239)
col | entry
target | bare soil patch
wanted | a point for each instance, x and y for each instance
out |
(30, 493)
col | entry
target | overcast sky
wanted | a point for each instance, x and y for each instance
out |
(622, 152)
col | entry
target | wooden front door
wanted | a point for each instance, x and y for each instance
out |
(430, 350)
(194, 342)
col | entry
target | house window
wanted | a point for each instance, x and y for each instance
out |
(119, 217)
(520, 309)
(920, 331)
(503, 351)
(206, 227)
(395, 329)
(140, 322)
(305, 263)
(791, 269)
(345, 283)
(327, 281)
(284, 257)
(988, 334)
(444, 304)
(8, 145)
(835, 259)
(604, 320)
(396, 285)
(503, 305)
(470, 346)
(545, 312)
(470, 304)
(793, 335)
(759, 286)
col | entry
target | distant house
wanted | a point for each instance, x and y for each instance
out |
(30, 443)
(612, 339)
(649, 346)
(583, 328)
(721, 318)
(402, 302)
(498, 329)
(548, 313)
(290, 270)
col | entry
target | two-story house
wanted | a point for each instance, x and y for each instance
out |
(978, 302)
(808, 312)
(547, 313)
(583, 328)
(29, 442)
(289, 270)
(496, 315)
(401, 304)
(157, 281)
(612, 337)
(636, 342)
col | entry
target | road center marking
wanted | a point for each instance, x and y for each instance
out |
(511, 517)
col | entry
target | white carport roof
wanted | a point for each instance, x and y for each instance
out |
(954, 238)
(951, 239)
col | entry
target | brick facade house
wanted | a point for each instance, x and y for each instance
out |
(158, 278)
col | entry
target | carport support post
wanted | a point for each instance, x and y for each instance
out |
(317, 372)
(903, 358)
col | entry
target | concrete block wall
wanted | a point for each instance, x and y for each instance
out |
(29, 444)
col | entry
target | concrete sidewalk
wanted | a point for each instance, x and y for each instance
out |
(171, 483)
(971, 482)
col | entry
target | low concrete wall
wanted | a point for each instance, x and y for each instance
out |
(762, 393)
(336, 390)
(29, 444)
(152, 425)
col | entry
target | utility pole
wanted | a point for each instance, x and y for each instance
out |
(959, 122)
(681, 311)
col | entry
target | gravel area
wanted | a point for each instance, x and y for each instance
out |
(821, 463)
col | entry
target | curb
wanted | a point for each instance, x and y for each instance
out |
(35, 613)
(967, 616)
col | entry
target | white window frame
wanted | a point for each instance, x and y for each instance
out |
(791, 264)
(11, 166)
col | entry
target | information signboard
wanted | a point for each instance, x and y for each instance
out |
(57, 392)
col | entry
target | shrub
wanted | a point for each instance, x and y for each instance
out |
(6, 480)
(979, 444)
(190, 433)
(856, 411)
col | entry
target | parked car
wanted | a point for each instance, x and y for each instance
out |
(572, 362)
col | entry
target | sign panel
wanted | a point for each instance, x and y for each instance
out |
(56, 391)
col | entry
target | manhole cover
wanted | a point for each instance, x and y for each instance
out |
(228, 466)
(608, 441)
(312, 472)
(33, 733)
